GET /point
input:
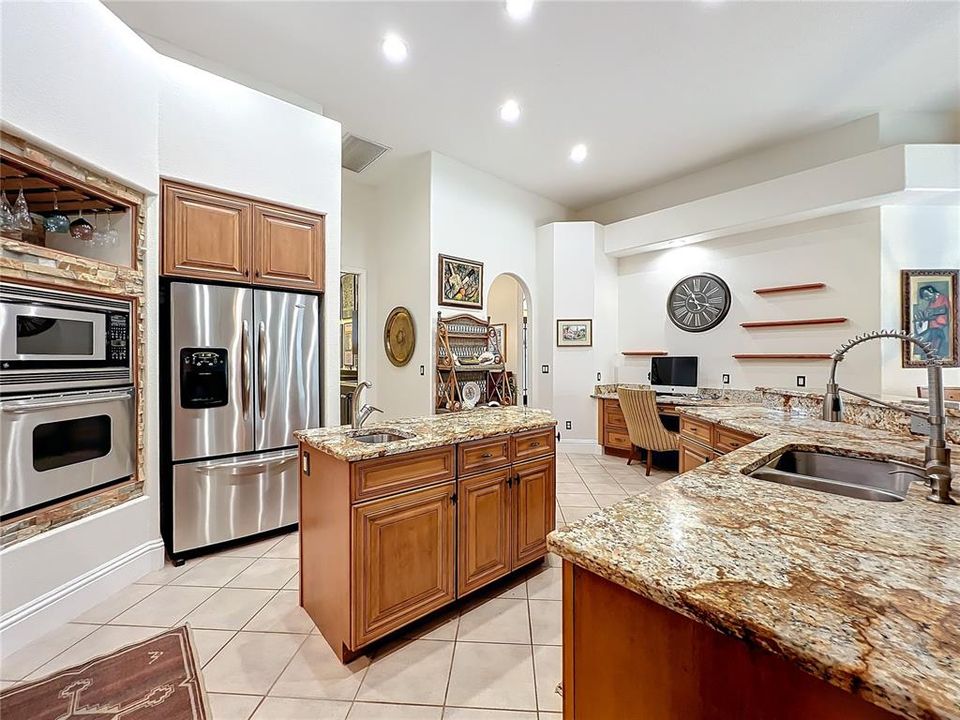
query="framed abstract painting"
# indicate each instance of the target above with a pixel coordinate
(461, 282)
(930, 304)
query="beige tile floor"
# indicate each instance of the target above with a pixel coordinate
(497, 657)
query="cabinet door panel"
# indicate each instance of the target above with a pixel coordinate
(289, 248)
(534, 488)
(205, 235)
(693, 455)
(483, 517)
(403, 560)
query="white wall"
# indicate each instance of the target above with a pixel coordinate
(78, 81)
(843, 251)
(820, 148)
(401, 253)
(480, 217)
(913, 237)
(218, 133)
(583, 282)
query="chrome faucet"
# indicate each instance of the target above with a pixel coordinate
(360, 414)
(936, 467)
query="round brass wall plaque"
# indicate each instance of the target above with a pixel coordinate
(399, 336)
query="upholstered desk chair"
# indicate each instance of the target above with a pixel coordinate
(644, 425)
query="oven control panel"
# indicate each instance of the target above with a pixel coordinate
(118, 338)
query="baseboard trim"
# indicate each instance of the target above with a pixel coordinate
(32, 620)
(589, 447)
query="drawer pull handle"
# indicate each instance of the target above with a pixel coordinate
(536, 443)
(486, 456)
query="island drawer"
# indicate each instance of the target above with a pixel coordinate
(531, 444)
(729, 440)
(395, 473)
(697, 429)
(485, 454)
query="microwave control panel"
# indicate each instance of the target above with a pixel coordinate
(118, 338)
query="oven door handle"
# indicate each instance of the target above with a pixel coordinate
(25, 406)
(248, 464)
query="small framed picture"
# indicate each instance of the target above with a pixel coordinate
(498, 340)
(930, 305)
(574, 333)
(461, 282)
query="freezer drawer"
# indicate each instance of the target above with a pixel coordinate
(219, 500)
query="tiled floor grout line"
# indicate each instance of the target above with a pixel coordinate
(533, 659)
(284, 669)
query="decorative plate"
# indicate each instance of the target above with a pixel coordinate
(471, 394)
(399, 336)
(699, 302)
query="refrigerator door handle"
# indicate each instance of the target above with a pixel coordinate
(245, 368)
(262, 368)
(258, 464)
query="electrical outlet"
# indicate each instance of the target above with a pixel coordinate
(422, 370)
(801, 380)
(568, 425)
(726, 378)
(545, 369)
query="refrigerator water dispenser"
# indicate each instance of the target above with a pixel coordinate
(203, 377)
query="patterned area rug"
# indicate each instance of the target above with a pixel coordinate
(156, 679)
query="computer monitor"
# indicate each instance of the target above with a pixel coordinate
(675, 375)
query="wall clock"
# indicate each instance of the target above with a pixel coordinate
(699, 302)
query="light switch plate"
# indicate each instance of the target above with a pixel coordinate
(545, 369)
(801, 380)
(422, 369)
(568, 425)
(725, 378)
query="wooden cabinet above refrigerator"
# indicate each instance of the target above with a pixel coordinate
(214, 235)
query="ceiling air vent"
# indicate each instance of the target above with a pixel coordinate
(358, 153)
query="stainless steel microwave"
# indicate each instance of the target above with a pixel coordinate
(56, 340)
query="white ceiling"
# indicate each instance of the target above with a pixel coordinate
(655, 89)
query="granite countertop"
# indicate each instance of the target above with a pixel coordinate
(429, 431)
(677, 400)
(865, 595)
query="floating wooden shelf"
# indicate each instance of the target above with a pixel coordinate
(794, 323)
(783, 356)
(643, 353)
(790, 288)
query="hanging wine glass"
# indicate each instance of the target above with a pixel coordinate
(112, 235)
(99, 236)
(81, 229)
(58, 222)
(22, 213)
(7, 219)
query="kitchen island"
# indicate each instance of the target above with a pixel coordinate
(403, 519)
(717, 595)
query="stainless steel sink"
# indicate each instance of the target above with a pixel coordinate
(379, 435)
(852, 477)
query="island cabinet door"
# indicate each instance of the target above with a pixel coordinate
(403, 559)
(534, 508)
(693, 455)
(483, 509)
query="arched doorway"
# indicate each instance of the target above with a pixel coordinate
(509, 306)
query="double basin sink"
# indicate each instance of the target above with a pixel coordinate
(876, 480)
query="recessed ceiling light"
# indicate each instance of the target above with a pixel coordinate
(519, 10)
(394, 48)
(578, 153)
(510, 111)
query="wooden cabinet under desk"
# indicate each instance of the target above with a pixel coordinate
(388, 540)
(215, 235)
(702, 441)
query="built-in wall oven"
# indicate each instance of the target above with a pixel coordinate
(67, 400)
(55, 340)
(60, 445)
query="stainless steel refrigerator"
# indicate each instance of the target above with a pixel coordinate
(245, 373)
